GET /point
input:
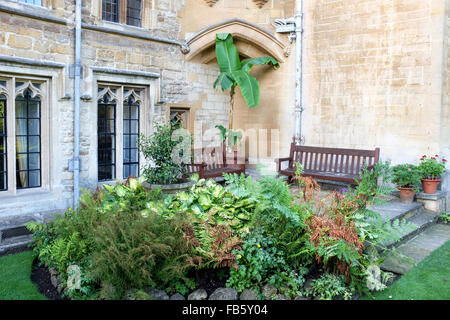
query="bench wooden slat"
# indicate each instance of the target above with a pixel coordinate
(346, 163)
(358, 165)
(336, 158)
(319, 166)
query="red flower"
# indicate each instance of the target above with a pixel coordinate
(443, 160)
(436, 156)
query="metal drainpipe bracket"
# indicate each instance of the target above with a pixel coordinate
(74, 164)
(75, 70)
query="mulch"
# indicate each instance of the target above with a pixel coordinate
(41, 277)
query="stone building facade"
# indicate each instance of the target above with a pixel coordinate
(375, 75)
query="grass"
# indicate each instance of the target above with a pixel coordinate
(15, 282)
(428, 280)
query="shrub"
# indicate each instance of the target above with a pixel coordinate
(334, 236)
(159, 148)
(220, 220)
(343, 234)
(260, 262)
(431, 168)
(274, 251)
(216, 244)
(135, 252)
(70, 239)
(369, 189)
(330, 286)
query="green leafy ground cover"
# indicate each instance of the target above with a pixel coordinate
(15, 282)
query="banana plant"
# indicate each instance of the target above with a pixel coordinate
(233, 136)
(236, 73)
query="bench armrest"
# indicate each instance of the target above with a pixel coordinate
(280, 160)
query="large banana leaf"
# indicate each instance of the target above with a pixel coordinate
(249, 87)
(227, 53)
(248, 64)
(225, 80)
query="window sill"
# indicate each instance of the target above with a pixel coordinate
(31, 11)
(120, 26)
(23, 193)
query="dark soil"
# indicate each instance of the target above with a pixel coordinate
(210, 279)
(41, 277)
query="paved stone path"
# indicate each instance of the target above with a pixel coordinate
(417, 248)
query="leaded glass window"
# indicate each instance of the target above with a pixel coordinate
(110, 10)
(134, 9)
(28, 140)
(23, 110)
(130, 137)
(106, 126)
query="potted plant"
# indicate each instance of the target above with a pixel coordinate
(163, 172)
(431, 170)
(407, 178)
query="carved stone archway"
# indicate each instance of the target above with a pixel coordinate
(250, 39)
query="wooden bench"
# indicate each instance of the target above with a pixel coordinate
(335, 164)
(212, 162)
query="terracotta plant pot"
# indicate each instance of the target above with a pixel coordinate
(430, 185)
(406, 194)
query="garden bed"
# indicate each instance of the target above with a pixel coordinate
(40, 276)
(251, 238)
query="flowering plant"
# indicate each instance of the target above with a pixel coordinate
(431, 167)
(406, 175)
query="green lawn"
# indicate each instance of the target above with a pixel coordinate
(15, 282)
(429, 280)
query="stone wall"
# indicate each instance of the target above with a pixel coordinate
(445, 126)
(373, 76)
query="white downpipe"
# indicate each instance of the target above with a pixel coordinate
(298, 72)
(77, 69)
